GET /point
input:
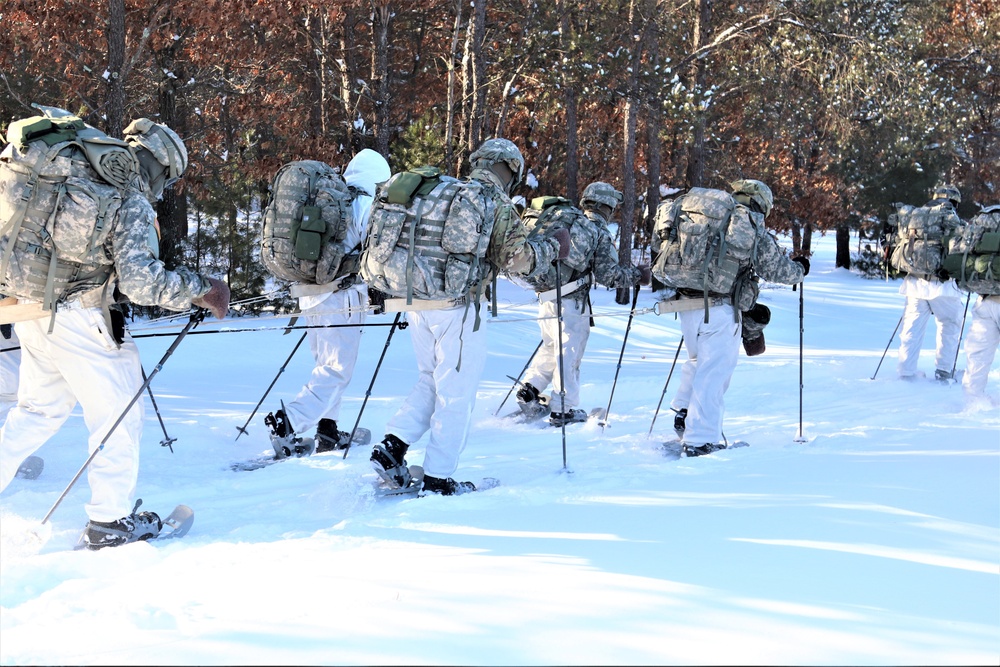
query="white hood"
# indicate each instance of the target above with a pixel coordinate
(366, 170)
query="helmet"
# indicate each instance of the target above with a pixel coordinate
(162, 142)
(499, 150)
(757, 191)
(602, 193)
(947, 191)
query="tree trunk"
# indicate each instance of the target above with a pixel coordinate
(843, 246)
(380, 76)
(477, 70)
(348, 75)
(116, 62)
(172, 209)
(696, 159)
(570, 100)
(449, 128)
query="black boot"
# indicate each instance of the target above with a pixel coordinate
(679, 420)
(388, 460)
(329, 437)
(135, 527)
(447, 486)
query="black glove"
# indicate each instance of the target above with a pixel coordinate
(376, 300)
(7, 330)
(942, 274)
(754, 346)
(645, 275)
(804, 261)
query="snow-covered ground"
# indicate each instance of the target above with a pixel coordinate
(877, 541)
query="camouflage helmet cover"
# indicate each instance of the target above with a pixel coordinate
(947, 191)
(602, 193)
(162, 142)
(757, 191)
(499, 150)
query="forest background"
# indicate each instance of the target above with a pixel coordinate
(841, 106)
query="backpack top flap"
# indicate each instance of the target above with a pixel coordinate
(548, 214)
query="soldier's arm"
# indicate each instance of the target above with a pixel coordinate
(142, 277)
(774, 265)
(607, 271)
(511, 250)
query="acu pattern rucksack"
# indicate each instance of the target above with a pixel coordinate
(427, 237)
(61, 187)
(305, 225)
(973, 258)
(708, 242)
(544, 216)
(920, 238)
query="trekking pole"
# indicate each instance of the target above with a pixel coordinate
(243, 429)
(518, 378)
(665, 384)
(196, 317)
(890, 343)
(167, 440)
(562, 376)
(628, 327)
(961, 333)
(801, 437)
(395, 325)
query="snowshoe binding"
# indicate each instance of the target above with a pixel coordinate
(283, 438)
(571, 416)
(690, 451)
(679, 420)
(446, 486)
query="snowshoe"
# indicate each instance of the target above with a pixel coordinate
(30, 468)
(329, 438)
(691, 451)
(133, 528)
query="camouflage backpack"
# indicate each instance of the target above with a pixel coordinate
(306, 223)
(427, 237)
(61, 187)
(973, 258)
(920, 238)
(708, 242)
(545, 215)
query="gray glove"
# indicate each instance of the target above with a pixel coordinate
(215, 299)
(562, 237)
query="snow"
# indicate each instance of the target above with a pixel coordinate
(874, 542)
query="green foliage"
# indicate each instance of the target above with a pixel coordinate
(420, 143)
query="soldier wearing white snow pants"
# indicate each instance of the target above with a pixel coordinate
(926, 297)
(335, 349)
(90, 358)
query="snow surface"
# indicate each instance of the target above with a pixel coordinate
(875, 542)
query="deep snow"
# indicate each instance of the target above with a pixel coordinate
(875, 542)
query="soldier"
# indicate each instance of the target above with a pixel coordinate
(592, 256)
(974, 263)
(712, 334)
(450, 349)
(334, 349)
(81, 360)
(930, 292)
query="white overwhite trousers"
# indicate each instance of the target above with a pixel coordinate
(335, 351)
(713, 350)
(544, 368)
(78, 362)
(445, 394)
(981, 344)
(947, 310)
(10, 361)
